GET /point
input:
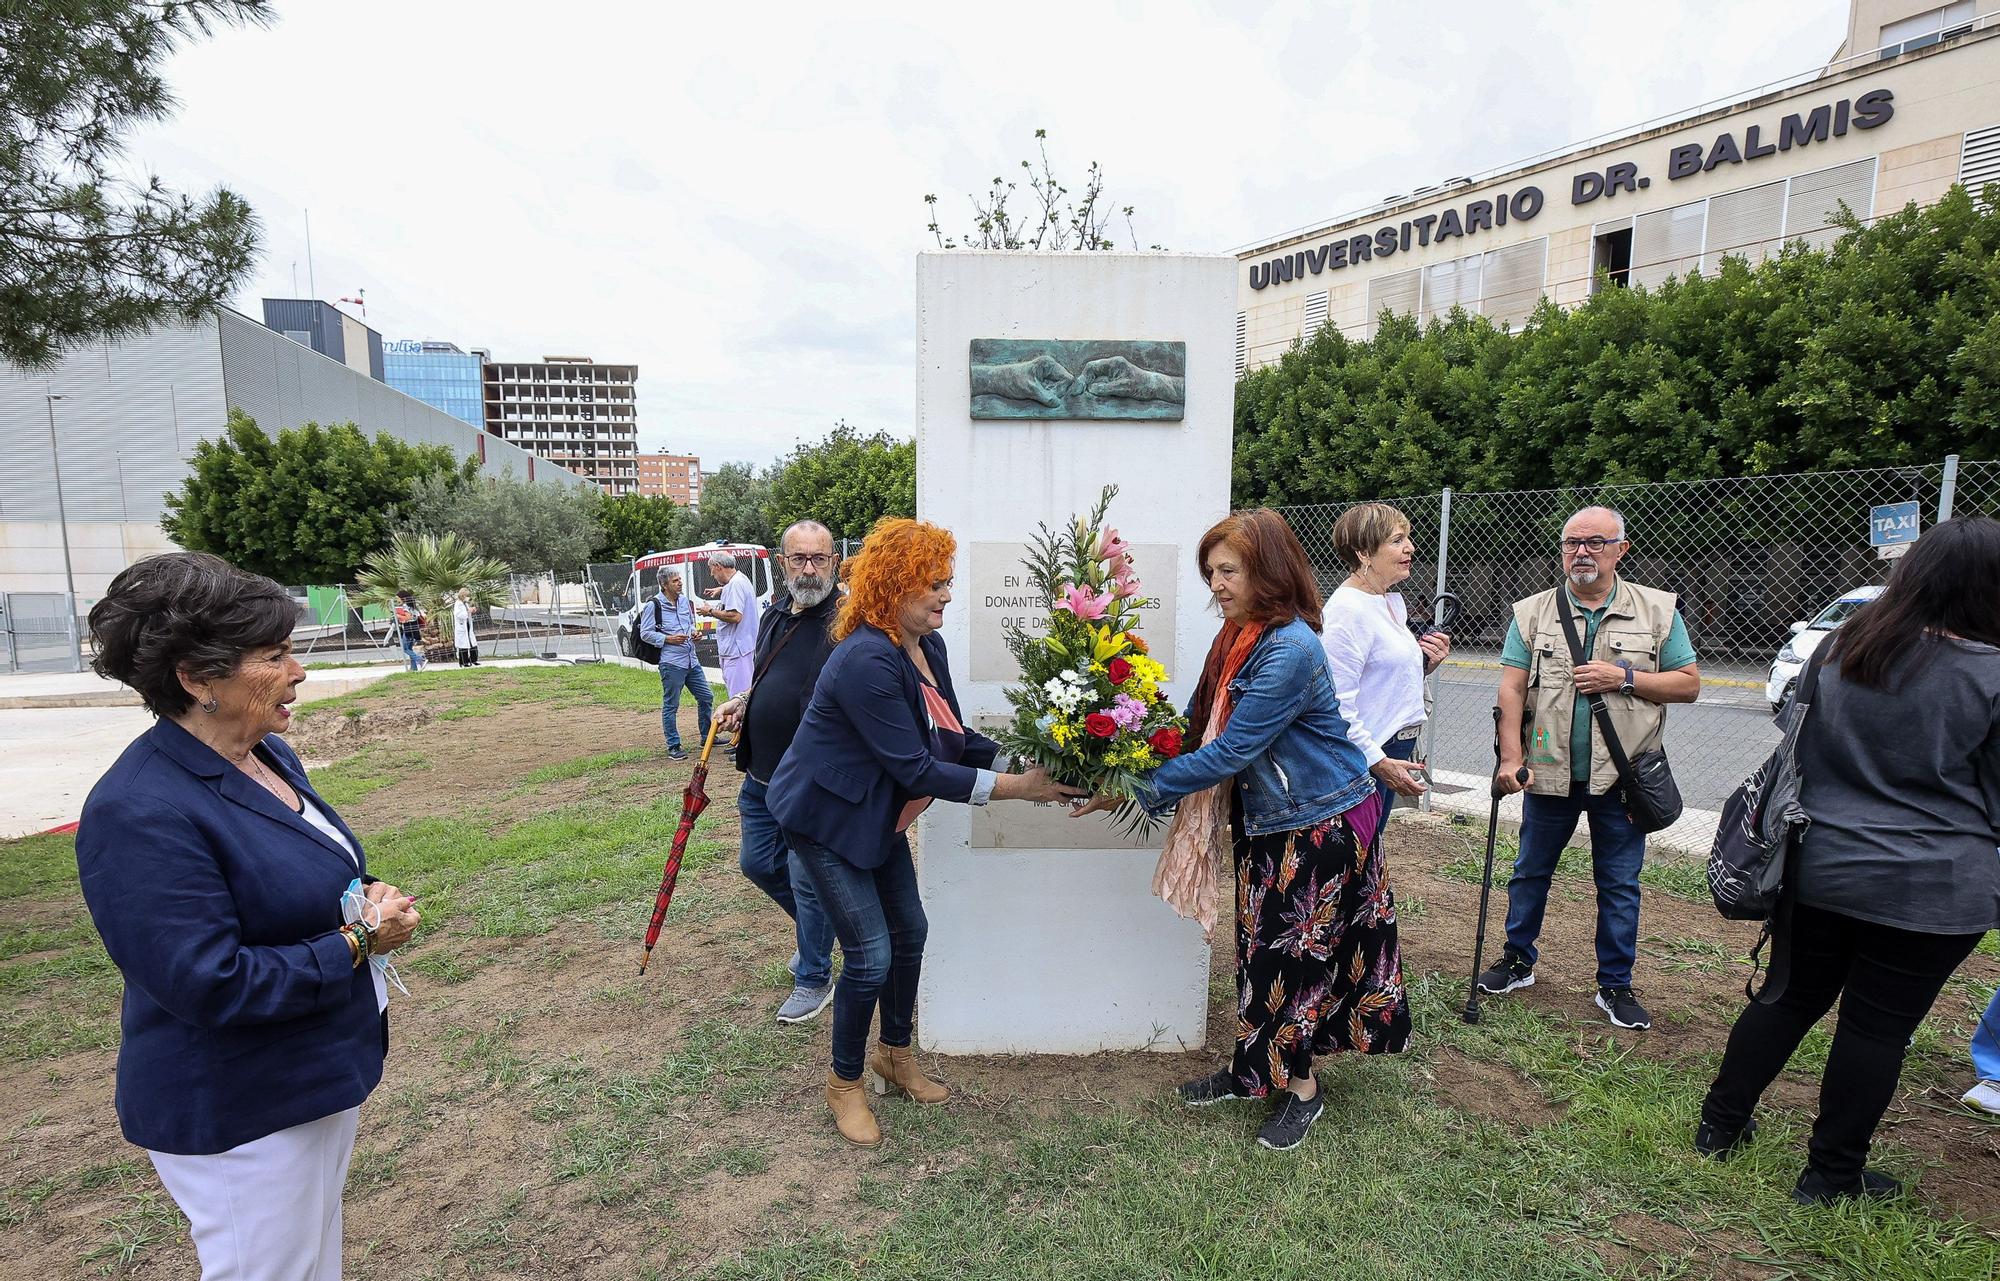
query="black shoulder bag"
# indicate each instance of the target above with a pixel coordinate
(642, 649)
(1645, 782)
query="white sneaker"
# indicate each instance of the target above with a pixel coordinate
(1985, 1096)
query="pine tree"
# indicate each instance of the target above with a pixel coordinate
(84, 253)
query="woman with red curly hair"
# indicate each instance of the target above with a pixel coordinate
(882, 738)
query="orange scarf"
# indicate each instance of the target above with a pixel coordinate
(1189, 865)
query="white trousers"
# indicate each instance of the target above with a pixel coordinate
(737, 673)
(268, 1210)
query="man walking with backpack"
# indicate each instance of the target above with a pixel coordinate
(1637, 657)
(667, 623)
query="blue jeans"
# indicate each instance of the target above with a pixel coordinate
(412, 652)
(879, 919)
(1617, 850)
(775, 870)
(672, 681)
(1397, 750)
(1986, 1043)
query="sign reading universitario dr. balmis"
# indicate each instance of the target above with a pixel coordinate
(1800, 129)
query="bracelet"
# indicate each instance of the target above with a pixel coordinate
(353, 945)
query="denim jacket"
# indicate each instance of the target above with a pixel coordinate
(1286, 745)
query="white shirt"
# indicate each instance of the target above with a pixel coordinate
(738, 640)
(1378, 667)
(312, 813)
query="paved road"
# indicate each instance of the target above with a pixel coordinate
(1714, 744)
(54, 757)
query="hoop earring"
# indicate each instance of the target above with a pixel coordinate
(209, 705)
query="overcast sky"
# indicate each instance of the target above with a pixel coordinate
(731, 196)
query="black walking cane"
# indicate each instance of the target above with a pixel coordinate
(1471, 1014)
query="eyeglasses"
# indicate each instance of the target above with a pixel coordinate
(809, 560)
(1591, 544)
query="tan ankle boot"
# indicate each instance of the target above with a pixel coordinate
(850, 1112)
(893, 1066)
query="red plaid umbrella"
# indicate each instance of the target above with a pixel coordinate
(694, 799)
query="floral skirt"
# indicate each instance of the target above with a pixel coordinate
(1318, 969)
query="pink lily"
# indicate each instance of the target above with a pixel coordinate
(1081, 602)
(1110, 547)
(1125, 586)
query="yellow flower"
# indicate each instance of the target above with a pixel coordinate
(1109, 643)
(1146, 677)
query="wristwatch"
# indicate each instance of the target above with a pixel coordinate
(1626, 688)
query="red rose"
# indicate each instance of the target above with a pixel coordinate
(1100, 725)
(1166, 742)
(1118, 670)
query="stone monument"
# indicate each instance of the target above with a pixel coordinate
(1045, 936)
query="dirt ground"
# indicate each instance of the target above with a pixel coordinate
(454, 1157)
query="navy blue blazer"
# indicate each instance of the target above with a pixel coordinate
(866, 748)
(244, 1013)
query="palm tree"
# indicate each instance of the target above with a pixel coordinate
(433, 567)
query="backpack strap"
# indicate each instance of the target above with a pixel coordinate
(1777, 933)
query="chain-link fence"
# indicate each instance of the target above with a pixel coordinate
(552, 615)
(1750, 558)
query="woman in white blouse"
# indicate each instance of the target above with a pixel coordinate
(1378, 665)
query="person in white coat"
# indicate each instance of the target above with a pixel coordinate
(1378, 665)
(462, 634)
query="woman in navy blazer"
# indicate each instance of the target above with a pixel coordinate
(253, 1024)
(882, 738)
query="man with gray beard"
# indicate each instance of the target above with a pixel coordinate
(792, 646)
(1638, 656)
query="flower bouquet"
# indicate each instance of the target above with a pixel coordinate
(1089, 708)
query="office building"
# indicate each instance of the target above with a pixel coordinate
(128, 414)
(1908, 105)
(439, 374)
(675, 476)
(572, 411)
(327, 330)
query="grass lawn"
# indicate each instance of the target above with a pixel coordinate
(548, 1113)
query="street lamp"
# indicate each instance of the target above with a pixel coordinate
(62, 518)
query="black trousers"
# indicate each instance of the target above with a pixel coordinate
(1886, 980)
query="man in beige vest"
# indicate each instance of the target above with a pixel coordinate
(1639, 658)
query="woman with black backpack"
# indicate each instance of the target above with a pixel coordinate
(1896, 877)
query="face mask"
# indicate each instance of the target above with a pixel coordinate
(356, 908)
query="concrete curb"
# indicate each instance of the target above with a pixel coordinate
(112, 698)
(1693, 834)
(310, 692)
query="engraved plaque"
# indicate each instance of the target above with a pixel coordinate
(1057, 378)
(1001, 593)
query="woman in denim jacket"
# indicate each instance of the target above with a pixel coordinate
(1277, 780)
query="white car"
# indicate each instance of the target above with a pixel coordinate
(1806, 637)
